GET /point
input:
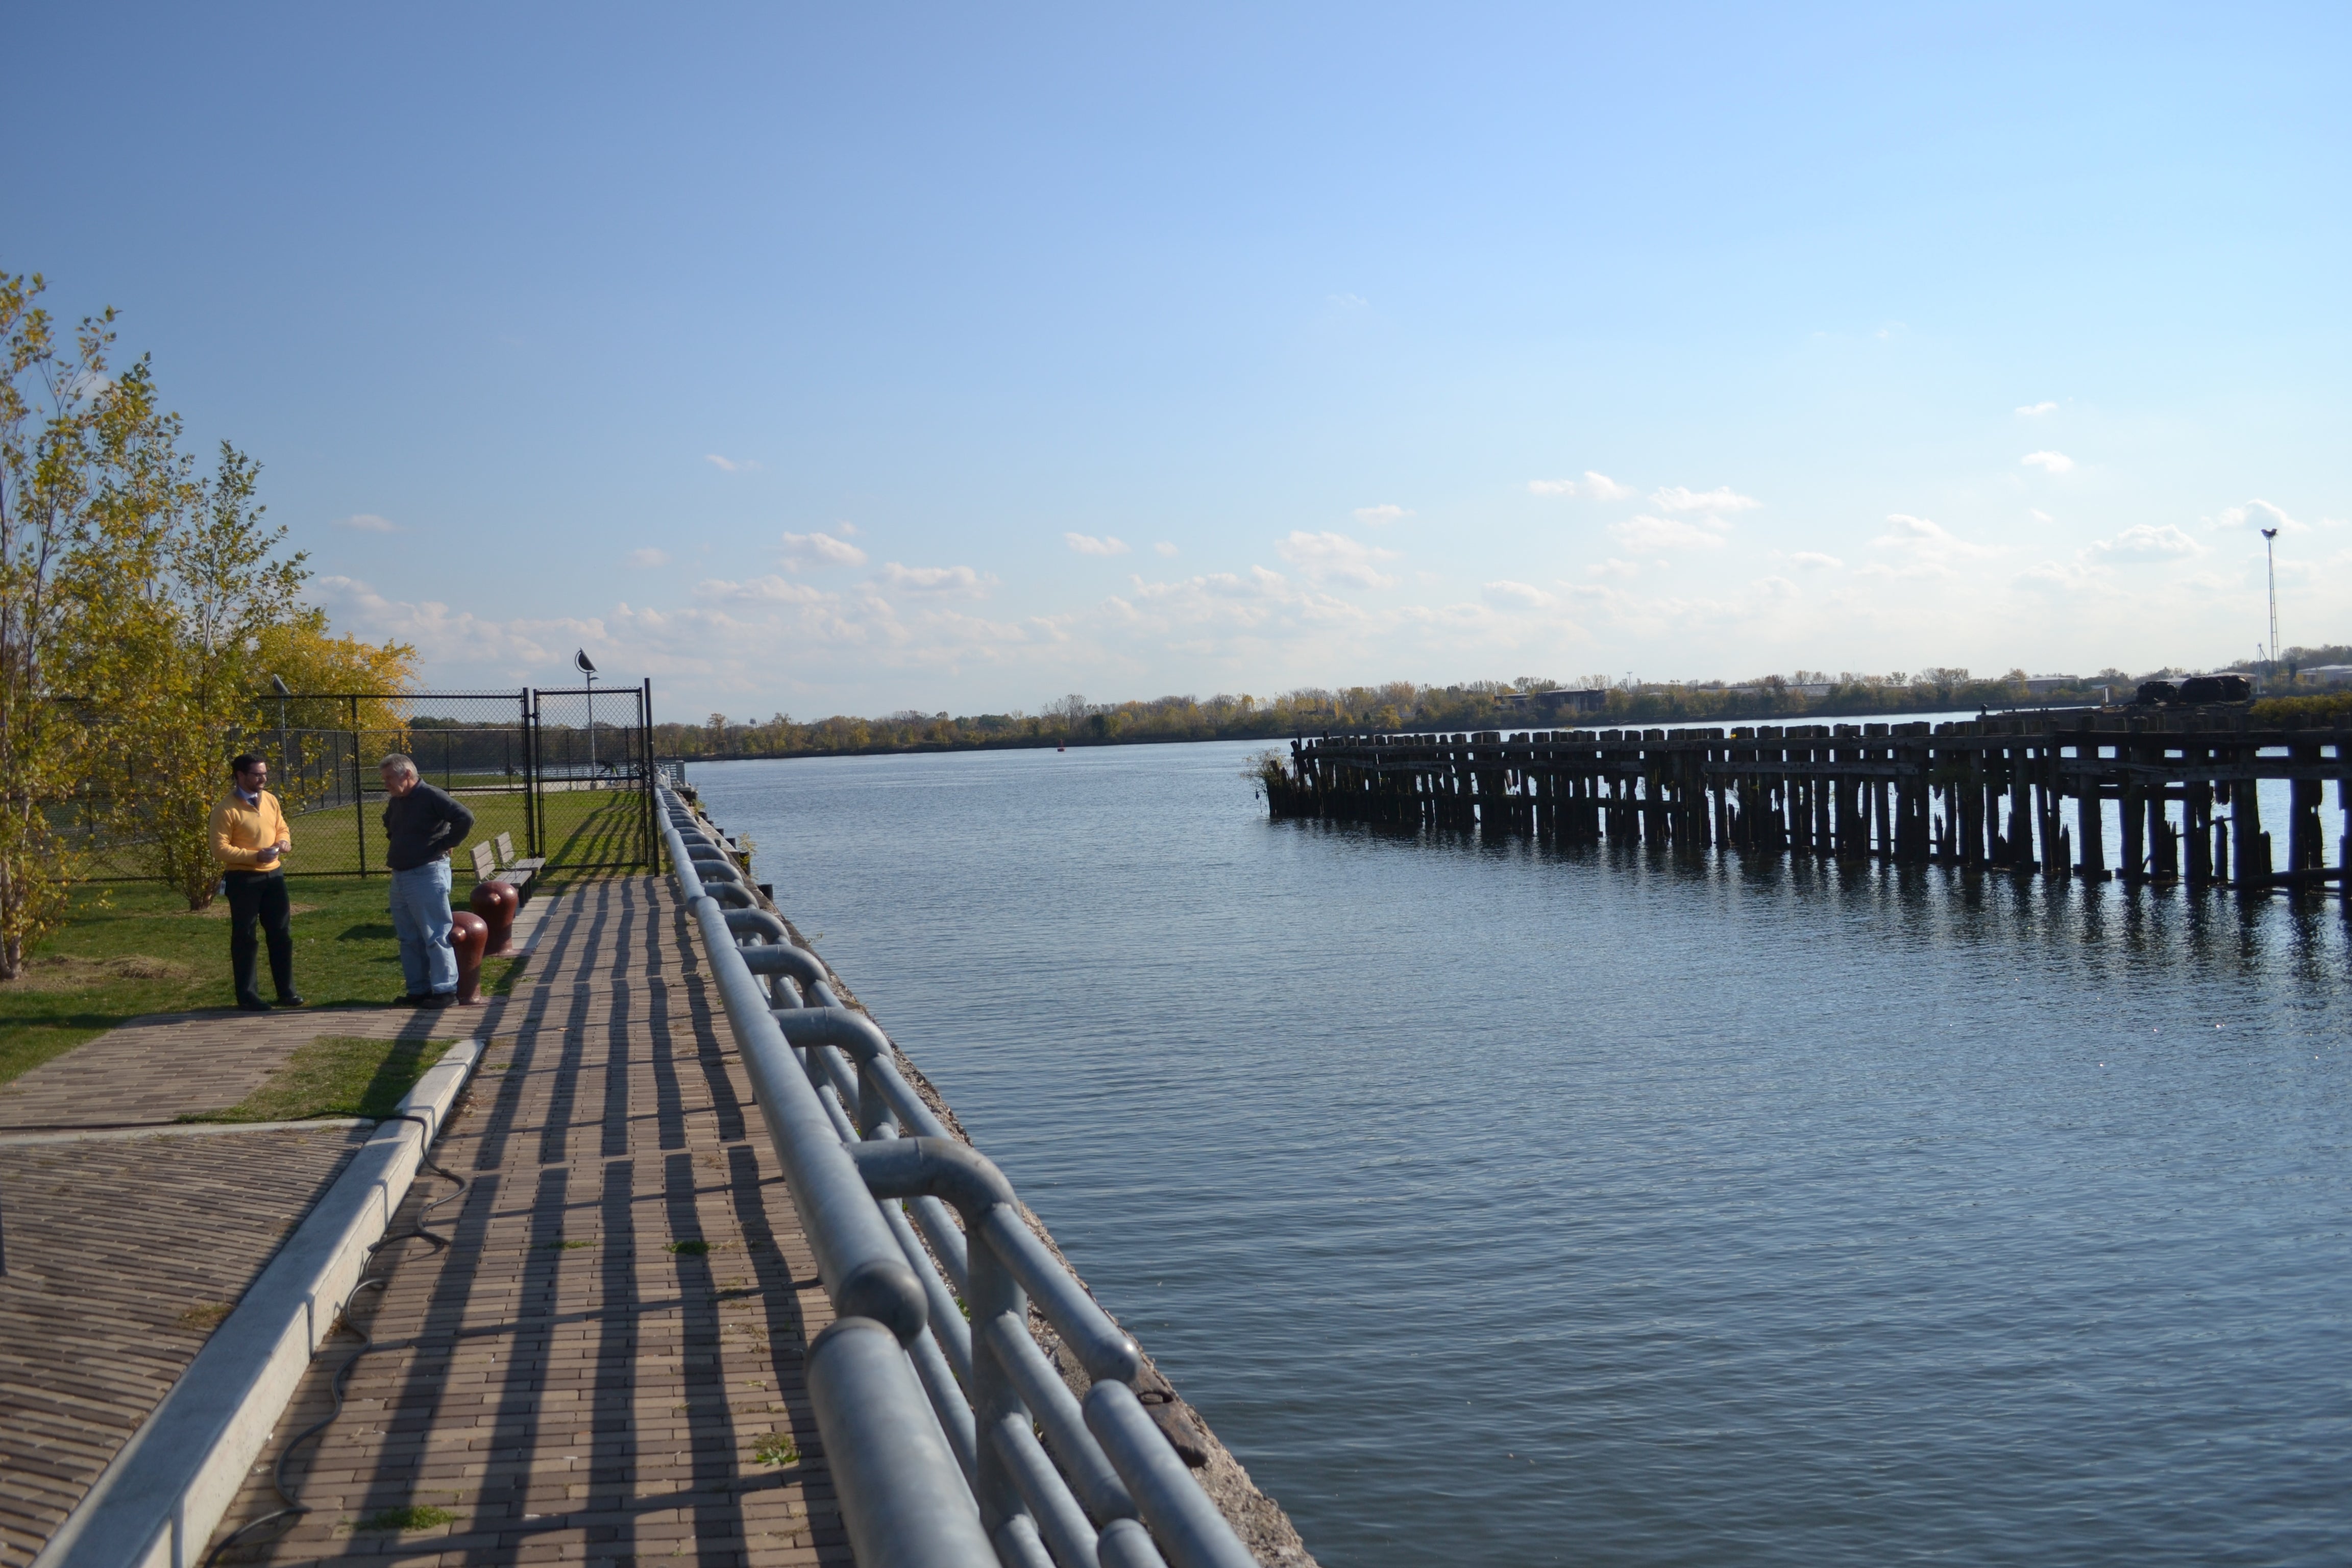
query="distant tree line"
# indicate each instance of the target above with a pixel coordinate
(1402, 706)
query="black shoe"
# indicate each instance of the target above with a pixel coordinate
(439, 999)
(413, 999)
(290, 1000)
(252, 1005)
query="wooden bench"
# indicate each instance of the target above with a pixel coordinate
(516, 874)
(528, 866)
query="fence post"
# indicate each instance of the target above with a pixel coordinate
(646, 775)
(529, 773)
(538, 779)
(358, 789)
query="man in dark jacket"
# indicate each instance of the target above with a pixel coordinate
(421, 825)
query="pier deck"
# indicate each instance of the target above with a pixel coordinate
(603, 1365)
(2028, 793)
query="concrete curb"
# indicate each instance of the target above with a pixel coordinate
(157, 1504)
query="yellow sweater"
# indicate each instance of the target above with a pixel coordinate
(241, 832)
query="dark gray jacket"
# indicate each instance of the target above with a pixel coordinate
(422, 826)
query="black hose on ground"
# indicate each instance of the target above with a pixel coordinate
(295, 1507)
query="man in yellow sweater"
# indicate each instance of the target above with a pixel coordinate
(250, 841)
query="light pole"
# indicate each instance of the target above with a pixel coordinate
(2270, 559)
(580, 659)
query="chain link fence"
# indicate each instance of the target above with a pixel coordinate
(566, 775)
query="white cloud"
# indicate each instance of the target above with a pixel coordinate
(445, 637)
(647, 559)
(953, 580)
(1373, 516)
(2051, 462)
(1087, 545)
(1163, 548)
(2038, 515)
(2259, 514)
(2036, 410)
(1927, 539)
(1643, 534)
(1247, 607)
(1766, 600)
(1326, 556)
(1813, 560)
(1613, 567)
(1718, 500)
(1599, 487)
(824, 549)
(730, 464)
(762, 590)
(1522, 596)
(2150, 542)
(1909, 530)
(368, 522)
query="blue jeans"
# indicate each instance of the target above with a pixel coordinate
(420, 914)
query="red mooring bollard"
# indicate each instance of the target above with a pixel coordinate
(469, 934)
(496, 902)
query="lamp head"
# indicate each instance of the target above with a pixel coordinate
(2270, 533)
(278, 684)
(581, 662)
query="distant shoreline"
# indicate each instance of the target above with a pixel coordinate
(1515, 726)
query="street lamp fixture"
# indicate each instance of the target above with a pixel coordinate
(587, 667)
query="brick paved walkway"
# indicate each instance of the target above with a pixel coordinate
(600, 1366)
(157, 1068)
(122, 1256)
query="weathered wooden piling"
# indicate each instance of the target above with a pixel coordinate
(1990, 792)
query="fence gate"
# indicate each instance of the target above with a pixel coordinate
(593, 776)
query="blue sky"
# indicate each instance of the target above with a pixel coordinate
(820, 360)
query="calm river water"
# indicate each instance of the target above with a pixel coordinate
(1502, 1207)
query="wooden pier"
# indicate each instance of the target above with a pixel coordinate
(2026, 793)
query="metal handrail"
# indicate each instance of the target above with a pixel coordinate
(942, 1438)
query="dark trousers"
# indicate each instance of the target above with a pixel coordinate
(256, 896)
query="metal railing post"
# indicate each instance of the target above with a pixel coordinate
(994, 1293)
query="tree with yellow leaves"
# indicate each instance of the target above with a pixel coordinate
(88, 476)
(180, 676)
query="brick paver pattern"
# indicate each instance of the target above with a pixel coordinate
(121, 1257)
(605, 1366)
(160, 1068)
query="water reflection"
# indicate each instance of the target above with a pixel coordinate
(1511, 1204)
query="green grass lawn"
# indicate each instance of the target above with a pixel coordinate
(336, 1075)
(133, 948)
(585, 828)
